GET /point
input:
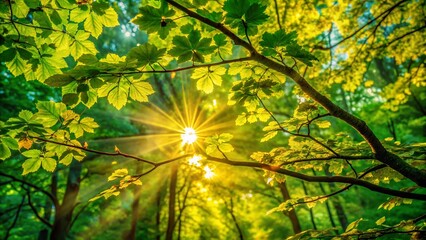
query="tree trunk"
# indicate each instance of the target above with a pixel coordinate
(131, 235)
(158, 215)
(311, 211)
(292, 213)
(327, 205)
(172, 202)
(44, 233)
(341, 215)
(234, 219)
(63, 214)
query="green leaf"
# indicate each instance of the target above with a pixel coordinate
(244, 15)
(20, 9)
(49, 66)
(212, 15)
(4, 151)
(98, 18)
(88, 59)
(82, 88)
(181, 48)
(96, 83)
(17, 66)
(81, 45)
(296, 51)
(10, 143)
(50, 112)
(80, 13)
(207, 77)
(70, 99)
(66, 3)
(55, 17)
(93, 24)
(116, 92)
(235, 9)
(110, 18)
(8, 55)
(31, 165)
(62, 42)
(67, 159)
(34, 153)
(255, 15)
(220, 40)
(118, 96)
(140, 90)
(145, 54)
(26, 115)
(59, 80)
(156, 20)
(191, 48)
(49, 164)
(87, 124)
(41, 19)
(278, 39)
(219, 141)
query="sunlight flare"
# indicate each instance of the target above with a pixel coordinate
(209, 174)
(189, 136)
(195, 160)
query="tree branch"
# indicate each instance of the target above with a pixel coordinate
(35, 210)
(389, 10)
(48, 194)
(182, 68)
(378, 149)
(375, 168)
(308, 178)
(96, 151)
(344, 157)
(15, 219)
(400, 37)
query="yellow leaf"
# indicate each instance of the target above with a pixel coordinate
(25, 143)
(323, 124)
(311, 204)
(116, 149)
(137, 182)
(118, 174)
(369, 83)
(381, 221)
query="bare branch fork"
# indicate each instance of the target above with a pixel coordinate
(381, 154)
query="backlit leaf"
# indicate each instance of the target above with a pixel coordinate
(4, 151)
(31, 165)
(156, 20)
(49, 164)
(119, 173)
(140, 91)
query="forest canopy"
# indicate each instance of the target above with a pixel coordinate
(225, 119)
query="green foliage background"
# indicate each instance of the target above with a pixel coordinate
(109, 75)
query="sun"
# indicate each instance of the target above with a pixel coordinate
(189, 136)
